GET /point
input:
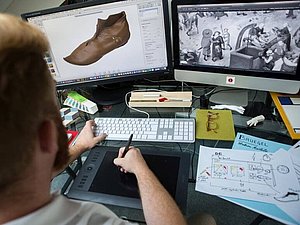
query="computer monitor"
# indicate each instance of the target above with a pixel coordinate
(249, 45)
(106, 42)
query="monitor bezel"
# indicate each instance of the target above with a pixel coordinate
(218, 70)
(136, 77)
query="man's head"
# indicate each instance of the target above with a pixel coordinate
(27, 98)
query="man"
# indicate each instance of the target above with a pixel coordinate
(33, 144)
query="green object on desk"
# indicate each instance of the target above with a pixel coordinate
(214, 125)
(77, 97)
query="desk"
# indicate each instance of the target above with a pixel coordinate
(223, 210)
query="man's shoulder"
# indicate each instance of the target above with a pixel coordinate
(64, 211)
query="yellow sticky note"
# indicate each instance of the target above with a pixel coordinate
(214, 125)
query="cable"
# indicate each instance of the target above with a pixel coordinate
(216, 144)
(224, 90)
(141, 90)
(191, 107)
(179, 146)
(137, 110)
(123, 112)
(158, 112)
(159, 81)
(192, 162)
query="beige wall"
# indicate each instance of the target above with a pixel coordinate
(17, 7)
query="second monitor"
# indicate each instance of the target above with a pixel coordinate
(251, 45)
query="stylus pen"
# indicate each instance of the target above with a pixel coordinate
(127, 146)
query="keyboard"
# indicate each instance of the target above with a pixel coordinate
(147, 129)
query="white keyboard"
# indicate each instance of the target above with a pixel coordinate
(143, 129)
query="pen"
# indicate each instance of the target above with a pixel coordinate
(127, 146)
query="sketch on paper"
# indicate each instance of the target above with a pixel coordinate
(289, 202)
(260, 176)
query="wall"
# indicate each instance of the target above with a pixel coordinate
(17, 7)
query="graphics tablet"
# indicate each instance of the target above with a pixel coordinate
(99, 180)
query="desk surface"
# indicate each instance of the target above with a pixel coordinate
(224, 211)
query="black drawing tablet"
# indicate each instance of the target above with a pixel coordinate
(99, 180)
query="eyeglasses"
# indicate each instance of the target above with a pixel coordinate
(211, 124)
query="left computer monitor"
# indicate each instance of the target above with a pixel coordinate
(105, 42)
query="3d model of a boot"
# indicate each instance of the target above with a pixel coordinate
(110, 34)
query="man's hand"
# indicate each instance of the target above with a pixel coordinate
(86, 139)
(132, 162)
(158, 206)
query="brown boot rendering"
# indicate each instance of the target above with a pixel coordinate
(110, 34)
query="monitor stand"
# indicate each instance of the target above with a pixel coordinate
(110, 94)
(230, 96)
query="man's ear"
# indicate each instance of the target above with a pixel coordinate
(47, 134)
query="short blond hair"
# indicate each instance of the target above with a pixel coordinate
(26, 94)
(16, 33)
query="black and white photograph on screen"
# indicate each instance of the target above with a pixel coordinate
(265, 40)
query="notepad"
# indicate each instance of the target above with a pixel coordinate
(214, 125)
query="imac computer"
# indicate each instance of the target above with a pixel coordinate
(106, 43)
(247, 45)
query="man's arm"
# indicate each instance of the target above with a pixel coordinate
(158, 206)
(85, 141)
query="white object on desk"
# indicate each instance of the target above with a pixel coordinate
(293, 114)
(238, 109)
(255, 120)
(295, 101)
(258, 176)
(79, 102)
(160, 99)
(69, 115)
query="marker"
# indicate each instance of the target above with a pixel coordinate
(127, 146)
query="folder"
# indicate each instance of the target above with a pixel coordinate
(288, 107)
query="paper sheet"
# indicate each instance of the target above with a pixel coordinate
(258, 176)
(295, 155)
(293, 208)
(249, 142)
(252, 143)
(293, 112)
(295, 101)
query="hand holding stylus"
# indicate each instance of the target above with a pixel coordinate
(133, 162)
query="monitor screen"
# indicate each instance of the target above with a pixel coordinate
(251, 45)
(101, 42)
